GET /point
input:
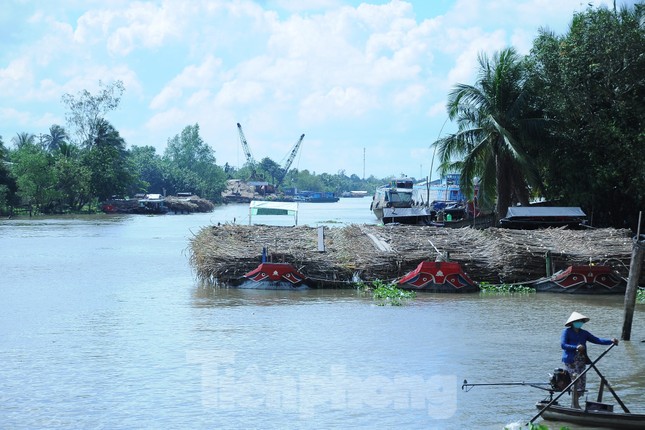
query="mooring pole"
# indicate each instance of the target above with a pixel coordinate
(638, 252)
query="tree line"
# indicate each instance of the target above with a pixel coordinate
(61, 172)
(563, 123)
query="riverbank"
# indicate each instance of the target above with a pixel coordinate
(222, 253)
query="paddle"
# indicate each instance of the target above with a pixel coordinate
(592, 365)
(467, 387)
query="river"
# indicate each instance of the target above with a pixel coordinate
(103, 326)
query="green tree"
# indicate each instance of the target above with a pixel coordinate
(56, 137)
(85, 111)
(8, 186)
(591, 85)
(106, 158)
(495, 122)
(35, 177)
(270, 169)
(191, 165)
(72, 177)
(23, 139)
(149, 168)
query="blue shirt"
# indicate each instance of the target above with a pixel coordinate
(570, 340)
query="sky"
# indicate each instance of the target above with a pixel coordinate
(365, 81)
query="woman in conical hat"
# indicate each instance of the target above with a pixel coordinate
(574, 351)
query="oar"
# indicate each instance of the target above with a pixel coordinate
(571, 384)
(467, 387)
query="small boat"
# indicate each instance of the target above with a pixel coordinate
(583, 280)
(595, 414)
(438, 277)
(273, 276)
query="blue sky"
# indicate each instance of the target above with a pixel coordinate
(365, 81)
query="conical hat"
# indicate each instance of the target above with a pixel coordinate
(575, 316)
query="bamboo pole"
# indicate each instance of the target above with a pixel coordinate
(568, 387)
(638, 252)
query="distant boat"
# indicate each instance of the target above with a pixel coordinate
(582, 280)
(316, 197)
(438, 277)
(354, 194)
(394, 203)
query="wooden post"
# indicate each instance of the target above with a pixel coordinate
(321, 238)
(638, 252)
(549, 264)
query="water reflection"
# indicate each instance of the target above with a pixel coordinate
(212, 296)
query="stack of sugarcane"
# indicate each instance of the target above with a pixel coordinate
(188, 205)
(369, 252)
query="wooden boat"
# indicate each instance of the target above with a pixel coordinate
(438, 277)
(273, 276)
(595, 414)
(583, 280)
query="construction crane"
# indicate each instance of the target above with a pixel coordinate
(287, 165)
(245, 146)
(250, 161)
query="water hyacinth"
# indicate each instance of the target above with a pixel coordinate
(505, 288)
(386, 293)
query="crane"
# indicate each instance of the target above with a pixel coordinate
(287, 164)
(245, 146)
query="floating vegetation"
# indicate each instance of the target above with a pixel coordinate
(505, 288)
(389, 294)
(640, 295)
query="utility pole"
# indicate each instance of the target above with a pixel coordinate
(363, 163)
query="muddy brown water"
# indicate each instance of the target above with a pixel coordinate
(103, 325)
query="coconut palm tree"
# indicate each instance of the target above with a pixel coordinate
(494, 125)
(57, 136)
(23, 138)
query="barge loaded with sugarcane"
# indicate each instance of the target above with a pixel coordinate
(339, 257)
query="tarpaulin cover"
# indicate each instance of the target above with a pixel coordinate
(544, 211)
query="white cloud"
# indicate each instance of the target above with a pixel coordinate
(338, 102)
(344, 72)
(193, 77)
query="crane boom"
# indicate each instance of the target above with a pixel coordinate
(293, 153)
(292, 156)
(245, 146)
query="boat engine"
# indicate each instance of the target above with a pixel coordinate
(560, 379)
